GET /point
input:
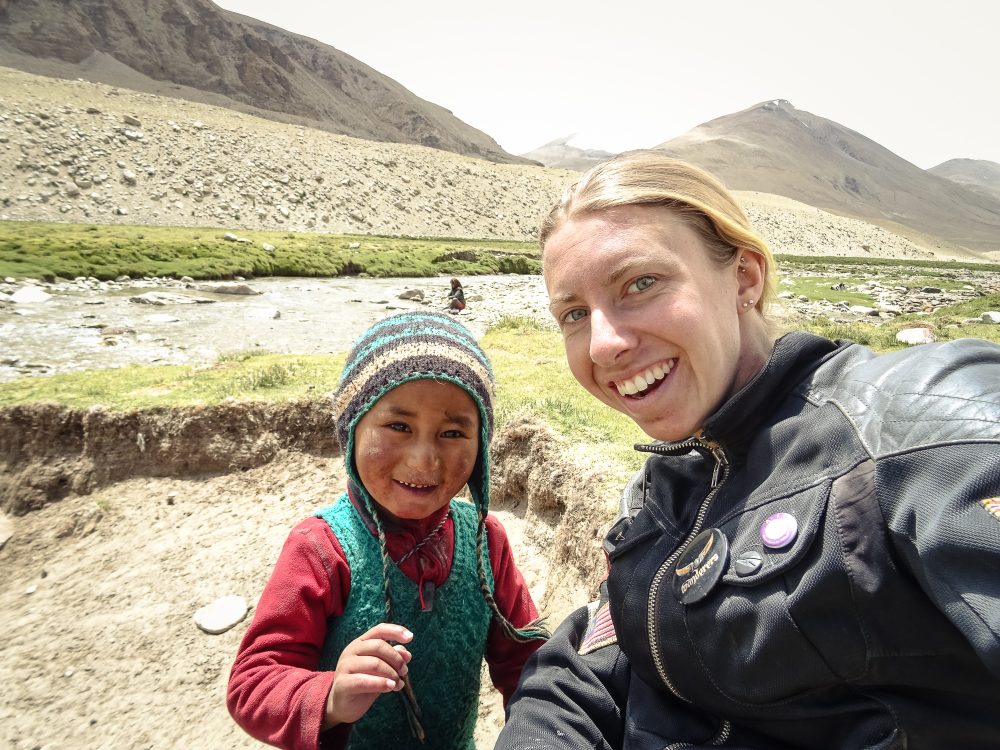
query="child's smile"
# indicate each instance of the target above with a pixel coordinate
(416, 447)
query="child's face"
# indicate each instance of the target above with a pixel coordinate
(416, 447)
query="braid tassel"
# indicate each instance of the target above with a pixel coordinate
(408, 697)
(532, 631)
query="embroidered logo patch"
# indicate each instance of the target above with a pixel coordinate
(992, 505)
(600, 631)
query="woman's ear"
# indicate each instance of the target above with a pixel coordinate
(751, 270)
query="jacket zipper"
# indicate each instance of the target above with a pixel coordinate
(720, 472)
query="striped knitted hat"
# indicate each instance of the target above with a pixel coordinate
(416, 346)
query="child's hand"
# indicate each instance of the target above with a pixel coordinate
(368, 667)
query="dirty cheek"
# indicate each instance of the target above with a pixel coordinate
(369, 451)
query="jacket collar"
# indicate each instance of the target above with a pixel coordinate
(793, 358)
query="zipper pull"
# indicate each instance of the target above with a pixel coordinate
(720, 463)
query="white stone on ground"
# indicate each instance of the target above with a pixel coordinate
(222, 614)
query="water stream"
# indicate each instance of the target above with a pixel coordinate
(82, 327)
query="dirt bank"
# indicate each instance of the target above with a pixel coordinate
(120, 539)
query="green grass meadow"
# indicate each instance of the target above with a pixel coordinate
(532, 377)
(49, 250)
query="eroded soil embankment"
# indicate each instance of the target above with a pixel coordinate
(50, 452)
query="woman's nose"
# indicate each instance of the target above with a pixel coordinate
(609, 338)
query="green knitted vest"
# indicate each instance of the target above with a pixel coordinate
(448, 642)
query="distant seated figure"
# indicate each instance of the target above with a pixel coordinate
(456, 297)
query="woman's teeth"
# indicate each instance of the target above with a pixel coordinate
(415, 486)
(643, 380)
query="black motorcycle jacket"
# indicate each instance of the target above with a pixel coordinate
(820, 568)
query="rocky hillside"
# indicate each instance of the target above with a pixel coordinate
(76, 151)
(193, 49)
(775, 148)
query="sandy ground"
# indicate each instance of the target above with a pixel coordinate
(99, 648)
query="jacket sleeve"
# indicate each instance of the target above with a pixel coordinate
(939, 484)
(506, 657)
(946, 525)
(275, 692)
(567, 700)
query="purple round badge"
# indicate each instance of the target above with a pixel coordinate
(779, 530)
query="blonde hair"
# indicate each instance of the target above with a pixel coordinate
(651, 178)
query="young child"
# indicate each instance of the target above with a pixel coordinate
(396, 587)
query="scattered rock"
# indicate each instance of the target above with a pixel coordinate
(116, 330)
(914, 336)
(81, 523)
(244, 289)
(29, 295)
(167, 298)
(222, 614)
(416, 294)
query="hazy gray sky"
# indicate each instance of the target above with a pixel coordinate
(919, 78)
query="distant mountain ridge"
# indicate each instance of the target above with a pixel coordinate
(773, 147)
(560, 154)
(974, 173)
(195, 50)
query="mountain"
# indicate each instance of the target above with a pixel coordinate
(773, 147)
(195, 50)
(975, 173)
(561, 155)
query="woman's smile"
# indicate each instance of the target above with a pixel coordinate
(646, 381)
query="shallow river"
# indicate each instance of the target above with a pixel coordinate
(75, 328)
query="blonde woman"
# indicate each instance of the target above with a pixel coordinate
(810, 557)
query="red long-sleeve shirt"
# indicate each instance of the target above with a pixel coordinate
(275, 691)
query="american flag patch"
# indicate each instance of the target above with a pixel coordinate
(992, 504)
(600, 631)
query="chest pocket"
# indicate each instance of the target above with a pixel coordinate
(778, 622)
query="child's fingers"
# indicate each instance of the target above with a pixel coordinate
(369, 681)
(373, 664)
(375, 653)
(388, 631)
(404, 652)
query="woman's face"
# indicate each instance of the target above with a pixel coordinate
(651, 324)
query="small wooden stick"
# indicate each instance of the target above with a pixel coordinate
(413, 710)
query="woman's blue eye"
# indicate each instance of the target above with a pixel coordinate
(641, 284)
